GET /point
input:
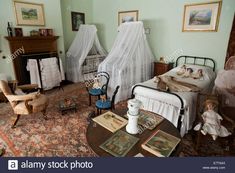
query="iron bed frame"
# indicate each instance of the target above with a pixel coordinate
(185, 61)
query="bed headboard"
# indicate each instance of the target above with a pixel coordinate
(203, 61)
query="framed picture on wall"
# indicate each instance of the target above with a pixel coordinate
(127, 16)
(18, 32)
(29, 13)
(202, 17)
(77, 19)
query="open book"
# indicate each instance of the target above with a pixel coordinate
(148, 119)
(119, 144)
(110, 121)
(161, 144)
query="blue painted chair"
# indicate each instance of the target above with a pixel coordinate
(102, 90)
(107, 104)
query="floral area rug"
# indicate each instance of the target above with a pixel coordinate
(60, 135)
(65, 135)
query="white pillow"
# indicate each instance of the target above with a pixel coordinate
(208, 73)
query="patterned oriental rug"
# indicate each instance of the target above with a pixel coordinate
(65, 135)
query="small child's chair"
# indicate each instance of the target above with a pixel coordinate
(99, 91)
(106, 104)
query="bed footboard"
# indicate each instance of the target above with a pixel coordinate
(181, 113)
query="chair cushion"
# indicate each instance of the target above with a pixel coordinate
(21, 109)
(103, 104)
(40, 103)
(96, 92)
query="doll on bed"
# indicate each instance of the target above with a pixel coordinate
(160, 84)
(212, 121)
(198, 74)
(182, 70)
(188, 73)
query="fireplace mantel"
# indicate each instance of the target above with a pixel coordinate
(35, 44)
(30, 45)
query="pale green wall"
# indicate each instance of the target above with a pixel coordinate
(164, 18)
(53, 18)
(82, 6)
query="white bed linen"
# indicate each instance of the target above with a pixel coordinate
(168, 105)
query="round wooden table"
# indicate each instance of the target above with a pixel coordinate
(96, 135)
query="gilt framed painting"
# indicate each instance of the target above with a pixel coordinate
(202, 17)
(29, 13)
(127, 16)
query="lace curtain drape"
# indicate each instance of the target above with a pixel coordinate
(85, 40)
(129, 61)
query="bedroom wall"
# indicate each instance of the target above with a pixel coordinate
(53, 19)
(82, 6)
(165, 18)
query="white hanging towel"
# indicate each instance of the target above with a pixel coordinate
(50, 73)
(62, 70)
(32, 67)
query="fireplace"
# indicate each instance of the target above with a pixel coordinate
(30, 47)
(39, 56)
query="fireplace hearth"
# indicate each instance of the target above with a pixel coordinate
(34, 47)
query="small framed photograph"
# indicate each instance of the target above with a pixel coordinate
(49, 32)
(127, 16)
(43, 32)
(77, 19)
(202, 17)
(18, 32)
(29, 13)
(34, 33)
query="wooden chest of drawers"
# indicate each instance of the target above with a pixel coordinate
(161, 68)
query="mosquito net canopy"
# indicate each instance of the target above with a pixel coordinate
(85, 41)
(129, 61)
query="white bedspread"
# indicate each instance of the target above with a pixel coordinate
(169, 105)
